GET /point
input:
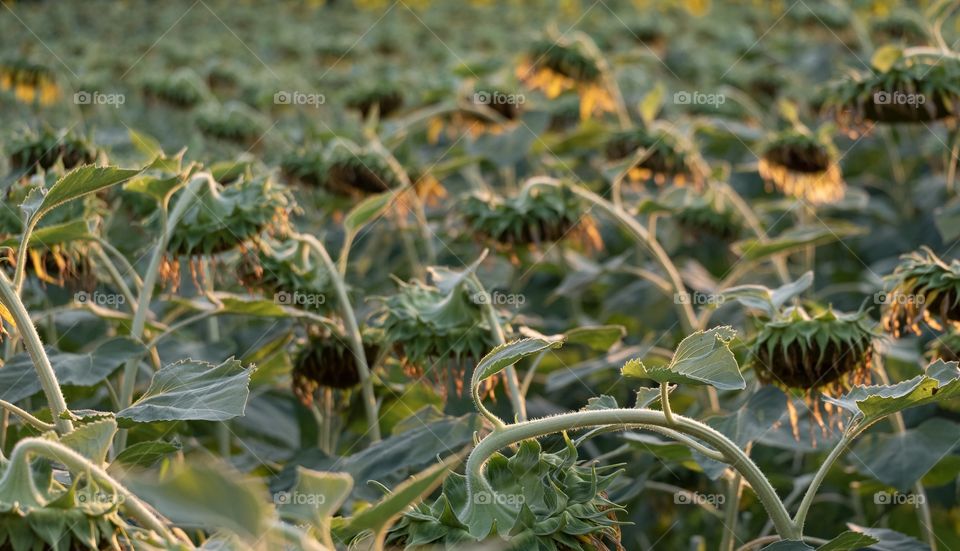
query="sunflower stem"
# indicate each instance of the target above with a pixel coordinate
(169, 223)
(688, 318)
(510, 373)
(622, 418)
(31, 341)
(353, 332)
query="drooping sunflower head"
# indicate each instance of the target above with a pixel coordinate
(327, 361)
(29, 82)
(821, 15)
(701, 213)
(922, 289)
(801, 165)
(543, 492)
(358, 173)
(912, 90)
(35, 152)
(386, 97)
(223, 218)
(437, 329)
(182, 88)
(904, 26)
(233, 122)
(659, 153)
(307, 165)
(556, 67)
(535, 216)
(826, 353)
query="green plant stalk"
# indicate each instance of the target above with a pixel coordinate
(731, 504)
(169, 222)
(623, 417)
(31, 341)
(800, 518)
(511, 381)
(353, 331)
(116, 277)
(26, 416)
(688, 318)
(77, 463)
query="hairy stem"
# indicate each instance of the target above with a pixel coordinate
(31, 341)
(353, 332)
(620, 417)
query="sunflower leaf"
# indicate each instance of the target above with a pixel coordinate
(508, 354)
(702, 358)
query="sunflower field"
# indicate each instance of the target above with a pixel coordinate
(488, 275)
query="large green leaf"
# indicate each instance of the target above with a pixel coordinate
(889, 540)
(207, 496)
(314, 499)
(510, 353)
(192, 390)
(703, 358)
(56, 234)
(146, 454)
(18, 379)
(795, 239)
(848, 541)
(599, 338)
(940, 381)
(901, 459)
(80, 182)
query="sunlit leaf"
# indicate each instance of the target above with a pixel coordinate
(703, 358)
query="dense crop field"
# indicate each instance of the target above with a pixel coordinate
(552, 275)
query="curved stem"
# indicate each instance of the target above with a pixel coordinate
(116, 277)
(127, 267)
(31, 341)
(688, 318)
(665, 402)
(621, 417)
(169, 222)
(353, 332)
(26, 416)
(79, 464)
(731, 504)
(800, 518)
(510, 373)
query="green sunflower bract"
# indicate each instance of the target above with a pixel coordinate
(557, 502)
